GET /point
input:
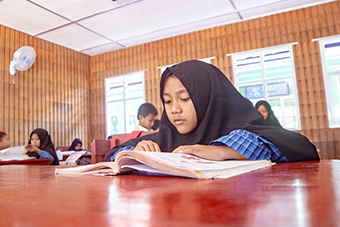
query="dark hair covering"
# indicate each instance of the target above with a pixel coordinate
(45, 143)
(74, 144)
(2, 134)
(271, 119)
(220, 109)
(145, 109)
(155, 125)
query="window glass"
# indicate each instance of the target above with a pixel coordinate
(123, 95)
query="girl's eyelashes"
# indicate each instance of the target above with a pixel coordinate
(185, 99)
(182, 99)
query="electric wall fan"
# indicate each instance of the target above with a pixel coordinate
(23, 59)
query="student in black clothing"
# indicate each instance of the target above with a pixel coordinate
(266, 110)
(40, 146)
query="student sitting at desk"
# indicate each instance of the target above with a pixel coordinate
(40, 146)
(76, 145)
(206, 116)
(4, 141)
(146, 114)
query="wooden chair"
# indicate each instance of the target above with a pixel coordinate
(117, 139)
(98, 150)
(62, 148)
(99, 147)
(121, 138)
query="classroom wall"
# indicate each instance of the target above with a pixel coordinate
(300, 26)
(52, 94)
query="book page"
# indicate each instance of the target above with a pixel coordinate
(196, 163)
(186, 165)
(14, 153)
(101, 167)
(74, 156)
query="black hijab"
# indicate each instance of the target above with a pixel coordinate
(271, 119)
(220, 109)
(74, 144)
(45, 143)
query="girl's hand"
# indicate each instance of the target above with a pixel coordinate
(147, 145)
(32, 148)
(217, 153)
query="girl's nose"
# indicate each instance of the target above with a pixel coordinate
(176, 108)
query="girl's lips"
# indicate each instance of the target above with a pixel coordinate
(178, 121)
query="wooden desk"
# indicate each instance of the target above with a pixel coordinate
(27, 162)
(292, 194)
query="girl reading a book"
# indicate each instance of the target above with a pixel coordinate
(40, 146)
(76, 145)
(206, 116)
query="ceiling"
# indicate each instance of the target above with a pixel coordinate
(94, 27)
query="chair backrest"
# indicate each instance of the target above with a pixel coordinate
(121, 138)
(134, 134)
(99, 148)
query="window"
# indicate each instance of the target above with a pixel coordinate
(123, 96)
(330, 57)
(269, 74)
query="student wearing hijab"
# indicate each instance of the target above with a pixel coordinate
(76, 145)
(206, 116)
(40, 146)
(266, 110)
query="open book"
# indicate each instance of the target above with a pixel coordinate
(14, 153)
(72, 158)
(167, 163)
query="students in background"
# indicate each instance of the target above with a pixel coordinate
(76, 145)
(4, 141)
(206, 116)
(266, 110)
(40, 146)
(146, 115)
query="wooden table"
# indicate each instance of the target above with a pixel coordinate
(27, 162)
(292, 194)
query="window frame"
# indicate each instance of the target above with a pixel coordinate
(206, 60)
(125, 77)
(261, 52)
(332, 121)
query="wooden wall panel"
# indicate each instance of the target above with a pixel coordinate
(295, 26)
(52, 94)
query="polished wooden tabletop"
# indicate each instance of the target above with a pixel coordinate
(27, 162)
(291, 194)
